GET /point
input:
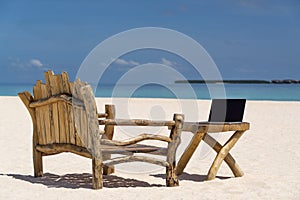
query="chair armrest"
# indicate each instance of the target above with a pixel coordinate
(135, 122)
(137, 139)
(102, 115)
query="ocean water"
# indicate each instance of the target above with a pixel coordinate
(276, 92)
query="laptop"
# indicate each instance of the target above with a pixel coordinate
(227, 110)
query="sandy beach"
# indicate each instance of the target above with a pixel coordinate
(268, 154)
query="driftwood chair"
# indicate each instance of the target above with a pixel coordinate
(65, 119)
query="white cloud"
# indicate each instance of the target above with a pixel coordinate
(36, 63)
(28, 65)
(120, 61)
(167, 62)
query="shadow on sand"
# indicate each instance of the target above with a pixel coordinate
(191, 177)
(84, 180)
(75, 181)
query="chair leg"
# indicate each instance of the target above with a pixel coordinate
(110, 110)
(171, 177)
(37, 163)
(223, 154)
(97, 174)
(107, 170)
(236, 170)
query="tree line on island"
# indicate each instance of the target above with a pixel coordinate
(285, 81)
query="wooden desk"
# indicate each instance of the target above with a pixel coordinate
(201, 130)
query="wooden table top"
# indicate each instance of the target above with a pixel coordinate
(214, 127)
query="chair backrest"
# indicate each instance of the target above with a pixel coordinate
(54, 111)
(227, 110)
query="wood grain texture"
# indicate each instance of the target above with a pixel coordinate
(37, 155)
(215, 127)
(189, 151)
(60, 148)
(135, 122)
(120, 160)
(137, 139)
(97, 166)
(222, 154)
(175, 135)
(235, 168)
(110, 113)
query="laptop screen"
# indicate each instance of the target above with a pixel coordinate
(227, 110)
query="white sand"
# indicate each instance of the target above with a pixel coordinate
(268, 154)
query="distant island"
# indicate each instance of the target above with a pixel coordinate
(286, 81)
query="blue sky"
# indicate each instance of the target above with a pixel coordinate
(247, 39)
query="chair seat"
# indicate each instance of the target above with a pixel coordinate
(51, 149)
(135, 148)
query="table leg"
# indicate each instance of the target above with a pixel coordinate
(189, 151)
(223, 154)
(236, 170)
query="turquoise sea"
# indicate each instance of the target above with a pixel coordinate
(276, 92)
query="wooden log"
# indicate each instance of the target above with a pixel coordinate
(67, 123)
(50, 149)
(64, 88)
(189, 151)
(136, 148)
(215, 127)
(71, 125)
(135, 122)
(92, 120)
(78, 112)
(45, 116)
(77, 117)
(37, 155)
(93, 131)
(236, 170)
(84, 129)
(102, 115)
(175, 135)
(65, 83)
(222, 154)
(78, 85)
(150, 160)
(37, 95)
(71, 113)
(53, 99)
(51, 82)
(60, 148)
(39, 121)
(61, 119)
(46, 112)
(58, 89)
(72, 89)
(76, 104)
(171, 177)
(47, 75)
(37, 90)
(110, 110)
(97, 173)
(137, 139)
(49, 94)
